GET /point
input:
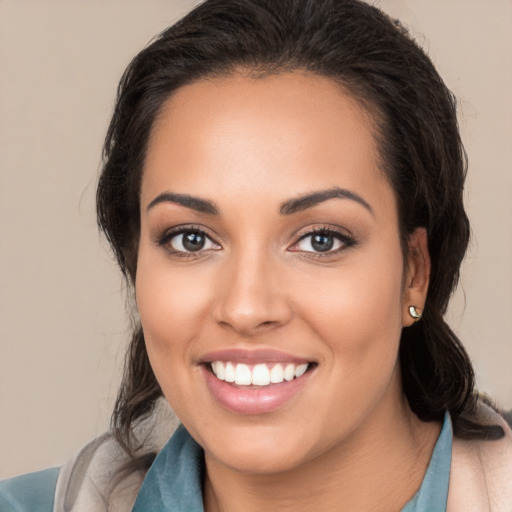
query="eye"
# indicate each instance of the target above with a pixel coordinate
(188, 241)
(324, 241)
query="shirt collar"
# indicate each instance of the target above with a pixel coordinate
(174, 481)
(433, 493)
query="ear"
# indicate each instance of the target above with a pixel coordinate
(417, 275)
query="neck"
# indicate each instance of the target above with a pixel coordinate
(389, 455)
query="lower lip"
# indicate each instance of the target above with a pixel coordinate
(253, 400)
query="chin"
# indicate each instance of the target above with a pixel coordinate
(257, 449)
(258, 461)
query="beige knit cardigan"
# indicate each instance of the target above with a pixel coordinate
(480, 479)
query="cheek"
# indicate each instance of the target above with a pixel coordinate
(369, 290)
(357, 309)
(356, 313)
(172, 306)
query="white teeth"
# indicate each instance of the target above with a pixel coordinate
(243, 375)
(220, 371)
(289, 372)
(229, 375)
(276, 374)
(300, 370)
(261, 374)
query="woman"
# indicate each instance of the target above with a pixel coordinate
(282, 189)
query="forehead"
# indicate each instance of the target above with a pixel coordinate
(281, 135)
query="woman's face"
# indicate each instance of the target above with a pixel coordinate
(269, 245)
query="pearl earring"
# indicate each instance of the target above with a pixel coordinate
(415, 313)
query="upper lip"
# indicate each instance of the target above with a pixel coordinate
(254, 356)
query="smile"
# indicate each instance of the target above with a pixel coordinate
(261, 374)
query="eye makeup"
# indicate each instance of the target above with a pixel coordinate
(195, 241)
(192, 241)
(325, 241)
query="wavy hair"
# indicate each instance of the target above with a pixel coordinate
(385, 70)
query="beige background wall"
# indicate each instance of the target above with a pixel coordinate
(62, 326)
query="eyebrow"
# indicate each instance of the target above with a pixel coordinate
(289, 207)
(194, 203)
(306, 201)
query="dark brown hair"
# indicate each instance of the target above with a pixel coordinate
(377, 62)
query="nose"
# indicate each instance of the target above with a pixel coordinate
(250, 298)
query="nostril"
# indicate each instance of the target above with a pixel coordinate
(250, 309)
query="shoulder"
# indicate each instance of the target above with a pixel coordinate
(33, 492)
(85, 483)
(90, 482)
(481, 472)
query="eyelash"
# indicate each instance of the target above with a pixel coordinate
(346, 240)
(342, 236)
(165, 239)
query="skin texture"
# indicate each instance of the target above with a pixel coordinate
(249, 145)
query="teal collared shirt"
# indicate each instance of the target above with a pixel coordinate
(173, 483)
(433, 493)
(33, 492)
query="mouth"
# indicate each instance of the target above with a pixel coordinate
(256, 382)
(260, 375)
